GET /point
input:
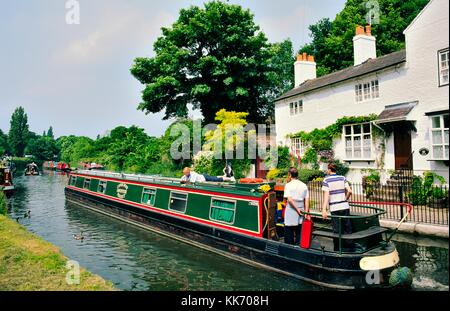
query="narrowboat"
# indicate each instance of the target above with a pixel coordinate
(6, 180)
(56, 166)
(239, 221)
(31, 170)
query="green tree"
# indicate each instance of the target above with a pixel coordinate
(212, 57)
(42, 148)
(4, 147)
(50, 133)
(332, 41)
(18, 133)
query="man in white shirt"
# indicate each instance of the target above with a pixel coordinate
(191, 176)
(297, 196)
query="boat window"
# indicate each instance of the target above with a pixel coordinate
(149, 196)
(87, 184)
(102, 186)
(73, 180)
(222, 210)
(178, 202)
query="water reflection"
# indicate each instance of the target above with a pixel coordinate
(136, 259)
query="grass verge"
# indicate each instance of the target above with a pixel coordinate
(29, 263)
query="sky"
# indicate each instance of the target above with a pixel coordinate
(76, 77)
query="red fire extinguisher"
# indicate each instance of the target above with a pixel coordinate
(307, 229)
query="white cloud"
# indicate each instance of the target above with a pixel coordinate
(112, 31)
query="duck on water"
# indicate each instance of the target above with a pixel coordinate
(239, 220)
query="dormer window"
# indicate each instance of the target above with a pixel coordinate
(367, 91)
(296, 108)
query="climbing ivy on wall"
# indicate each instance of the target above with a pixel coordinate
(322, 139)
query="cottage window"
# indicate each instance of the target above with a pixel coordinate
(358, 93)
(375, 89)
(443, 67)
(297, 147)
(296, 108)
(439, 134)
(102, 186)
(367, 91)
(178, 202)
(148, 196)
(358, 141)
(87, 183)
(222, 210)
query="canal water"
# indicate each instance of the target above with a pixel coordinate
(136, 259)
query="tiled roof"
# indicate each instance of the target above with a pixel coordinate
(396, 111)
(371, 65)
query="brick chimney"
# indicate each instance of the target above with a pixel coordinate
(305, 68)
(364, 45)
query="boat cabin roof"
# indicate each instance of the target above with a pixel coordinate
(235, 188)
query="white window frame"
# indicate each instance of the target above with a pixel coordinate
(218, 207)
(172, 193)
(144, 192)
(298, 145)
(87, 181)
(443, 67)
(361, 135)
(296, 108)
(101, 182)
(441, 129)
(367, 91)
(73, 181)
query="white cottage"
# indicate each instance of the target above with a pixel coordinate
(408, 90)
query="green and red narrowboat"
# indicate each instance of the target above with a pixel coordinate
(6, 180)
(239, 221)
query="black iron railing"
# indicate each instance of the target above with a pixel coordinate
(431, 203)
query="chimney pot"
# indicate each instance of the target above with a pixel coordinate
(305, 68)
(359, 30)
(368, 30)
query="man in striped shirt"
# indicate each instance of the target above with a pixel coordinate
(336, 193)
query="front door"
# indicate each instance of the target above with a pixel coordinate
(402, 145)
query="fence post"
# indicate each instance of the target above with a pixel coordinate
(400, 193)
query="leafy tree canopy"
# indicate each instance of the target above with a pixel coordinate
(18, 133)
(4, 147)
(42, 148)
(212, 58)
(50, 132)
(332, 40)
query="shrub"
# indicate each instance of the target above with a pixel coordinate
(3, 208)
(371, 181)
(424, 190)
(307, 175)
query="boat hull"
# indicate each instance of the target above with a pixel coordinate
(8, 190)
(320, 268)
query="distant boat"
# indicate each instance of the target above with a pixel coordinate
(91, 166)
(57, 166)
(31, 170)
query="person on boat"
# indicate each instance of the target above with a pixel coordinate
(228, 170)
(336, 194)
(297, 195)
(190, 176)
